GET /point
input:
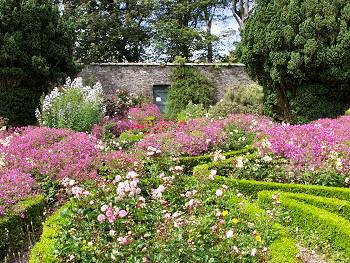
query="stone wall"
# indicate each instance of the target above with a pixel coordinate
(142, 77)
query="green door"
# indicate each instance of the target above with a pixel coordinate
(160, 97)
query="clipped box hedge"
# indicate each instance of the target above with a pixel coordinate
(252, 187)
(330, 227)
(189, 162)
(15, 228)
(43, 251)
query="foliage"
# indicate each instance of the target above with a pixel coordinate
(187, 84)
(245, 99)
(292, 44)
(330, 227)
(110, 30)
(16, 227)
(77, 107)
(36, 47)
(3, 122)
(43, 250)
(118, 104)
(192, 111)
(313, 102)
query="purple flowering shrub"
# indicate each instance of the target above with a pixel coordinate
(15, 186)
(321, 145)
(58, 153)
(144, 113)
(189, 138)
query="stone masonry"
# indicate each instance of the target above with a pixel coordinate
(141, 78)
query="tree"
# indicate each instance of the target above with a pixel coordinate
(293, 46)
(241, 10)
(36, 48)
(179, 28)
(111, 30)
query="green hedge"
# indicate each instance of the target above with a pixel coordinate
(253, 187)
(330, 227)
(283, 249)
(15, 230)
(222, 167)
(43, 251)
(189, 162)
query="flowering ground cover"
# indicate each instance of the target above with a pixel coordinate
(133, 195)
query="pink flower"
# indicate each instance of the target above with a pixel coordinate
(110, 215)
(101, 218)
(71, 258)
(123, 240)
(122, 213)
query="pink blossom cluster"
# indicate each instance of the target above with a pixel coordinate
(249, 122)
(111, 213)
(191, 138)
(320, 145)
(128, 187)
(15, 186)
(145, 112)
(167, 182)
(59, 153)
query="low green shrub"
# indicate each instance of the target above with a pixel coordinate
(189, 162)
(330, 227)
(16, 227)
(253, 187)
(43, 251)
(283, 249)
(244, 99)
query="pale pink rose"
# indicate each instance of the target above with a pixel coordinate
(122, 213)
(101, 217)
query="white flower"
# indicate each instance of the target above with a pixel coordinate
(229, 234)
(267, 158)
(219, 192)
(240, 163)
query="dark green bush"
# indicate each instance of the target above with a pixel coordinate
(312, 102)
(15, 228)
(187, 84)
(36, 50)
(292, 47)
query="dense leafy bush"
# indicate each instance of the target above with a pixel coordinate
(313, 102)
(76, 106)
(36, 50)
(288, 44)
(244, 99)
(187, 84)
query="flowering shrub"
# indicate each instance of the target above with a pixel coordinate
(75, 106)
(163, 217)
(322, 145)
(145, 113)
(14, 186)
(117, 104)
(58, 153)
(191, 138)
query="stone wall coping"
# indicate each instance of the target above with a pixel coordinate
(167, 64)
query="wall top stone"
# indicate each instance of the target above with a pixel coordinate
(168, 64)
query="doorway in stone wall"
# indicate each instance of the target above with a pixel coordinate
(160, 97)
